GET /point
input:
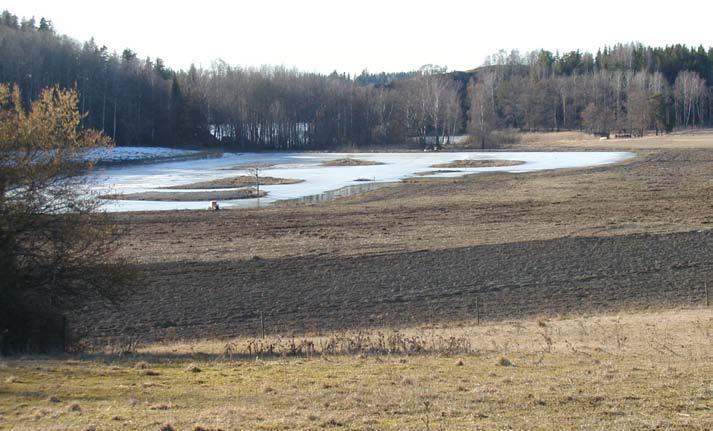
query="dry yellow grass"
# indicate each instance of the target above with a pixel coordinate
(637, 371)
(657, 331)
(582, 141)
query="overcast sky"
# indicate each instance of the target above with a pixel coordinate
(323, 35)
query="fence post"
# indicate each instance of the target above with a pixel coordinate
(65, 338)
(705, 287)
(477, 311)
(262, 325)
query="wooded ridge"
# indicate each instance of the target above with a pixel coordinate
(627, 89)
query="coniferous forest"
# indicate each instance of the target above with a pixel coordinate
(626, 88)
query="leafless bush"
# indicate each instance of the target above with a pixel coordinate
(504, 138)
(705, 328)
(120, 346)
(619, 335)
(547, 337)
(352, 343)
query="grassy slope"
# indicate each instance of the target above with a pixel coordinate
(638, 371)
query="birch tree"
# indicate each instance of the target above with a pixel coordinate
(482, 118)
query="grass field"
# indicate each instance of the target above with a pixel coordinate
(609, 372)
(590, 286)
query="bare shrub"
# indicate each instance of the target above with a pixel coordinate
(359, 343)
(120, 346)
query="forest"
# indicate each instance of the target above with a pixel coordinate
(627, 89)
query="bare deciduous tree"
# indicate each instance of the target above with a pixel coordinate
(482, 116)
(689, 90)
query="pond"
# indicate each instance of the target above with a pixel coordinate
(320, 178)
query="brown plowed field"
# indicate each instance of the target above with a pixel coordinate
(632, 235)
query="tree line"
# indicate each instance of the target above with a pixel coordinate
(627, 88)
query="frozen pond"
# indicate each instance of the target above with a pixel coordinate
(318, 179)
(127, 154)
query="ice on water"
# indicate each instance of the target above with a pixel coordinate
(318, 178)
(116, 154)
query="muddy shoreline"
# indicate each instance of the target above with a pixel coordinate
(477, 163)
(235, 182)
(220, 195)
(350, 162)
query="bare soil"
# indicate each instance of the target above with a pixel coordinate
(234, 182)
(633, 235)
(316, 293)
(244, 193)
(478, 163)
(350, 162)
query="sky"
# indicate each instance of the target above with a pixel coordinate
(322, 36)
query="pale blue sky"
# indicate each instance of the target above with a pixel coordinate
(322, 35)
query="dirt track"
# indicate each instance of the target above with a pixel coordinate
(571, 241)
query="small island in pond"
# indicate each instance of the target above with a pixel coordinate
(221, 195)
(350, 162)
(475, 163)
(436, 172)
(235, 182)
